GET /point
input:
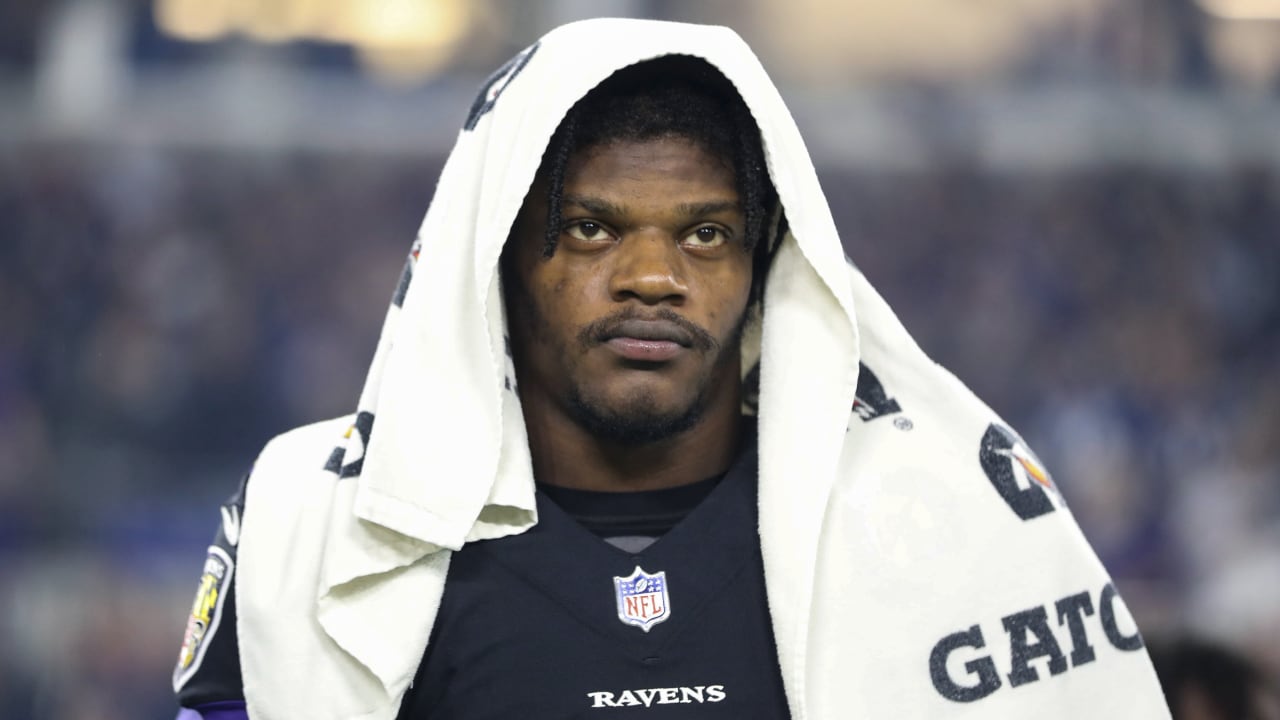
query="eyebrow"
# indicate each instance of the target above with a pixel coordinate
(603, 207)
(710, 208)
(594, 205)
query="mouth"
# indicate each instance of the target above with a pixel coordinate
(651, 341)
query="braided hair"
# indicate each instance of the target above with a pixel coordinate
(672, 96)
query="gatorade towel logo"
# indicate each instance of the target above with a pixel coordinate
(1017, 474)
(492, 88)
(406, 275)
(1031, 645)
(347, 459)
(870, 400)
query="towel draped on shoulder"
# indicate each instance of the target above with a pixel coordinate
(919, 560)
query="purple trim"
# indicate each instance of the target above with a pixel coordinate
(225, 710)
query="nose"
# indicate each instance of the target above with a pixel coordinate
(649, 267)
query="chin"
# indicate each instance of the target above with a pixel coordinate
(636, 419)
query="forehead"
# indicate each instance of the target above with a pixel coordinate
(674, 162)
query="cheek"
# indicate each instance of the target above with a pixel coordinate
(564, 293)
(555, 292)
(733, 291)
(558, 301)
(574, 289)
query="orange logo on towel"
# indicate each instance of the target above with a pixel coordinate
(1017, 474)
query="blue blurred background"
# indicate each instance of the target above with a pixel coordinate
(204, 206)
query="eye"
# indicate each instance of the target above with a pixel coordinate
(707, 236)
(587, 231)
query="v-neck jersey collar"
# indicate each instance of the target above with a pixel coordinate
(716, 541)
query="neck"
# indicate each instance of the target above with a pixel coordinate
(567, 455)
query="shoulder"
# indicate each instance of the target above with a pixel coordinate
(305, 447)
(917, 433)
(288, 501)
(290, 480)
(287, 493)
(945, 510)
(930, 459)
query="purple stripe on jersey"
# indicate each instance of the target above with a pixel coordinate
(226, 710)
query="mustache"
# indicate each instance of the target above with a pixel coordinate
(615, 325)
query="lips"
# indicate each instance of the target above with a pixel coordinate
(651, 330)
(648, 340)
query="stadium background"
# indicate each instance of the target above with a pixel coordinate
(204, 206)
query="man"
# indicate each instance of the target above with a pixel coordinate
(637, 440)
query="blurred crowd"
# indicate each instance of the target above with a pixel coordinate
(162, 314)
(165, 311)
(160, 317)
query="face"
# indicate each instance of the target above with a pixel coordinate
(631, 327)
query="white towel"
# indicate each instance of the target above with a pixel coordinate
(906, 536)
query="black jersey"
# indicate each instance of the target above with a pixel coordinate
(631, 521)
(557, 622)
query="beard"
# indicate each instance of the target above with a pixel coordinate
(637, 419)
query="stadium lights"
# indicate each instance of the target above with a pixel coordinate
(1242, 9)
(397, 39)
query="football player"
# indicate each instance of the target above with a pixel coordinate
(638, 441)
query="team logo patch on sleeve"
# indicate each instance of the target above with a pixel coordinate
(206, 612)
(642, 598)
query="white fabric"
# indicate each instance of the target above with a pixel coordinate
(878, 540)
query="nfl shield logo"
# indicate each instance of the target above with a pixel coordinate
(642, 598)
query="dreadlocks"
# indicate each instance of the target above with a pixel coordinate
(678, 96)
